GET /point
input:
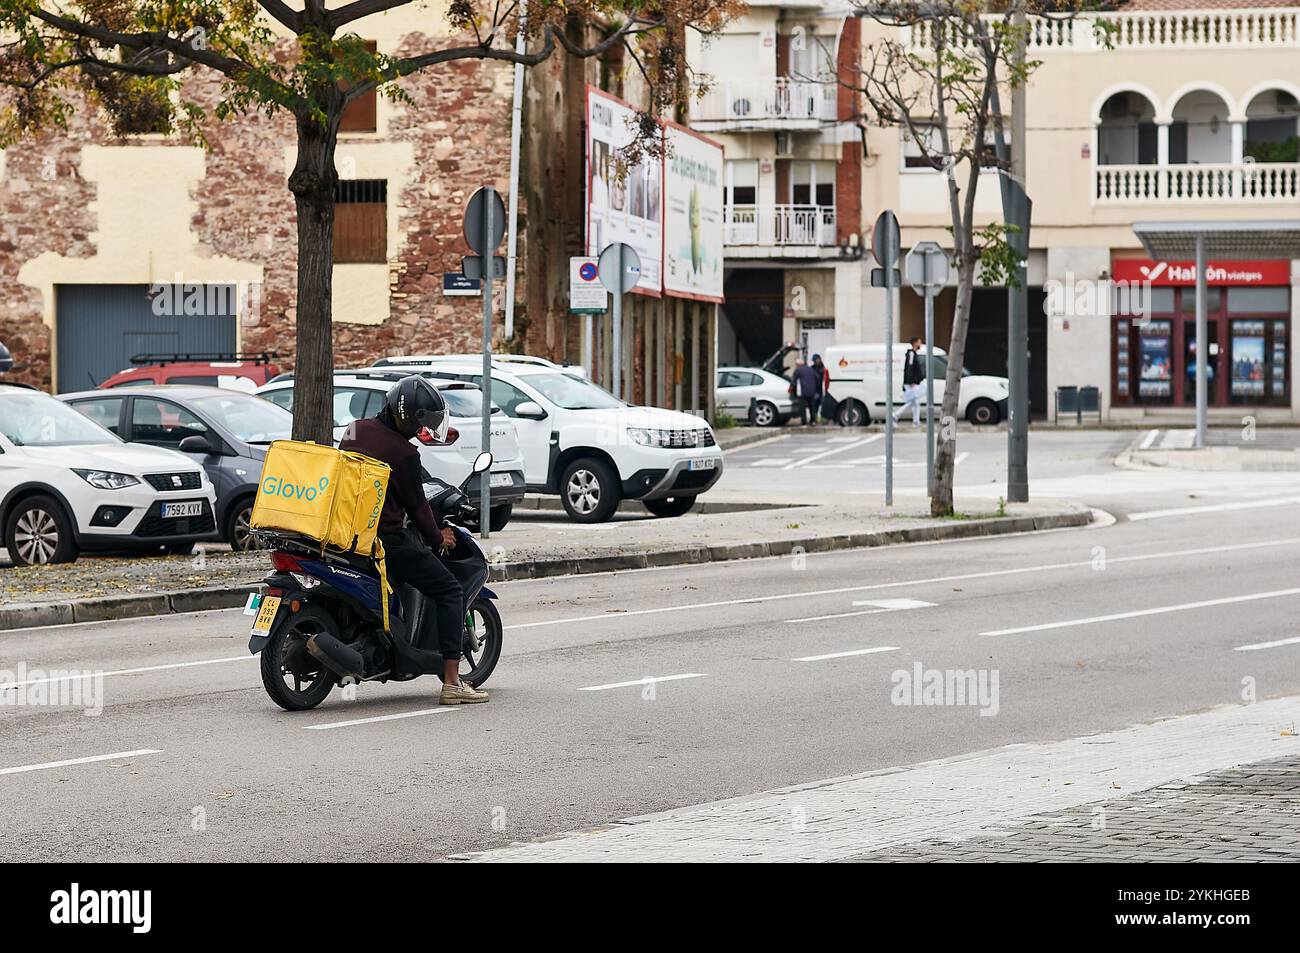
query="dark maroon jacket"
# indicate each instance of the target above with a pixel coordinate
(375, 438)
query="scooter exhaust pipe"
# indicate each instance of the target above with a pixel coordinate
(337, 657)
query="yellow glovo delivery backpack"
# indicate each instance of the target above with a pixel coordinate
(330, 496)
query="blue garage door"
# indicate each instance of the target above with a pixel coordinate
(101, 328)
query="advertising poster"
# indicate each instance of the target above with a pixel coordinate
(692, 215)
(1157, 373)
(623, 204)
(1248, 358)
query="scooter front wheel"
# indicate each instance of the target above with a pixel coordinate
(295, 680)
(484, 623)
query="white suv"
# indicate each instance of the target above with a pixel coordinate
(361, 394)
(583, 443)
(67, 485)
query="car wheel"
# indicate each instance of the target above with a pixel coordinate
(589, 491)
(672, 506)
(239, 533)
(982, 412)
(852, 413)
(765, 414)
(38, 531)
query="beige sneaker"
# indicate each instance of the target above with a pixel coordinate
(462, 693)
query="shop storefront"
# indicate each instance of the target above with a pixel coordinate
(1153, 333)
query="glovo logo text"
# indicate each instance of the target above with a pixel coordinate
(276, 486)
(379, 505)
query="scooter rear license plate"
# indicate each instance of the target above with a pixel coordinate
(266, 615)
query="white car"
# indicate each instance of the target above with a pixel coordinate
(418, 360)
(583, 443)
(737, 386)
(361, 394)
(68, 485)
(858, 386)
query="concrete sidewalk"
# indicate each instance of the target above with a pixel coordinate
(535, 544)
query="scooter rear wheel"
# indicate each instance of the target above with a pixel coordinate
(475, 667)
(295, 680)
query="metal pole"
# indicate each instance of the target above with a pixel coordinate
(588, 348)
(1018, 296)
(485, 478)
(617, 378)
(516, 121)
(929, 384)
(891, 257)
(1202, 347)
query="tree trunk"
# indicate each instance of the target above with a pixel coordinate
(945, 456)
(313, 183)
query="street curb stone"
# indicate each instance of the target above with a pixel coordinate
(107, 608)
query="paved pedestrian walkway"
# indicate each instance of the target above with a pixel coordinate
(982, 795)
(1249, 813)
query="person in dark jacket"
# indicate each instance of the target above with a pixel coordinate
(824, 373)
(913, 378)
(411, 404)
(806, 389)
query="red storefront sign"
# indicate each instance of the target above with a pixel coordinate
(1182, 274)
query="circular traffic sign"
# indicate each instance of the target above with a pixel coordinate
(588, 271)
(620, 268)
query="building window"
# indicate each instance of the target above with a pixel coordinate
(361, 221)
(742, 182)
(812, 183)
(913, 155)
(362, 114)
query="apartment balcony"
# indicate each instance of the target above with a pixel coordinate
(779, 231)
(1143, 31)
(777, 104)
(1239, 183)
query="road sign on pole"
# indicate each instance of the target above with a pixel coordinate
(927, 272)
(884, 248)
(620, 270)
(485, 226)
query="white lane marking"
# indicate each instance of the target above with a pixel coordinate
(1215, 508)
(987, 574)
(746, 447)
(367, 721)
(840, 449)
(1139, 613)
(830, 655)
(116, 755)
(648, 680)
(893, 603)
(1149, 439)
(1178, 440)
(836, 615)
(772, 462)
(1267, 645)
(126, 671)
(840, 439)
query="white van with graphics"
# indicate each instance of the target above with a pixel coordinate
(858, 385)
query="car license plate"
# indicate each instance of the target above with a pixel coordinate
(500, 480)
(173, 510)
(266, 615)
(706, 463)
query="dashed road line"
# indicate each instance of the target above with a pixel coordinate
(649, 680)
(115, 756)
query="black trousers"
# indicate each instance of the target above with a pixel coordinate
(410, 561)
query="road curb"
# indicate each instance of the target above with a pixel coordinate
(105, 608)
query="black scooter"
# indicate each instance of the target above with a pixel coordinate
(319, 623)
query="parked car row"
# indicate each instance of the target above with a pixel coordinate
(857, 385)
(167, 455)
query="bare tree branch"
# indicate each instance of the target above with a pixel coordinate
(283, 14)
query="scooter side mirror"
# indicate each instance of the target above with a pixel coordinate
(482, 462)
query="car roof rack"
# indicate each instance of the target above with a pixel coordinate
(389, 374)
(259, 357)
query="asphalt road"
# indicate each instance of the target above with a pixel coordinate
(1088, 630)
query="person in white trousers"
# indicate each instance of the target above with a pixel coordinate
(913, 382)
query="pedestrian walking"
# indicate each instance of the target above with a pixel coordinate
(913, 380)
(823, 375)
(806, 389)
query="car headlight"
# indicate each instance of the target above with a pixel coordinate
(648, 438)
(106, 479)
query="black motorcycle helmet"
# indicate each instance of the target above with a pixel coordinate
(413, 403)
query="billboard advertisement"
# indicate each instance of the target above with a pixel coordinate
(692, 265)
(623, 204)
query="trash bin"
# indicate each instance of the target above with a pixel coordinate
(1089, 402)
(1067, 401)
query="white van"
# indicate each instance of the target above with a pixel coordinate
(858, 384)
